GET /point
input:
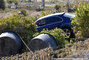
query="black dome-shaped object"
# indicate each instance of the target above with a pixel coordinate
(42, 41)
(10, 44)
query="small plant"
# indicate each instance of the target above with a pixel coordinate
(57, 7)
(24, 12)
(57, 33)
(61, 4)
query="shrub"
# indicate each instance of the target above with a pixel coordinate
(24, 12)
(57, 7)
(81, 21)
(44, 13)
(19, 24)
(57, 33)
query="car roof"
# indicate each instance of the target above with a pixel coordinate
(57, 14)
(69, 15)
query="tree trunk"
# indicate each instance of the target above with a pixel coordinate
(2, 4)
(43, 3)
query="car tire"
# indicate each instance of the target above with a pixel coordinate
(68, 33)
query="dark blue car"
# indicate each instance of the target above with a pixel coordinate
(59, 20)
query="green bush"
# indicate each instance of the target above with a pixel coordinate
(24, 12)
(19, 24)
(81, 21)
(57, 33)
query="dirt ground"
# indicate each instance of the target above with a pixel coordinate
(8, 14)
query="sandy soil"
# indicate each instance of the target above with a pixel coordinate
(30, 13)
(7, 14)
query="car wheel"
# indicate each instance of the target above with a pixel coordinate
(67, 33)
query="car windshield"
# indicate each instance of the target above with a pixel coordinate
(41, 22)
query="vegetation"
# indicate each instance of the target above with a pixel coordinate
(79, 49)
(57, 7)
(12, 1)
(26, 28)
(24, 12)
(2, 4)
(8, 10)
(81, 20)
(45, 13)
(57, 33)
(38, 55)
(61, 4)
(19, 24)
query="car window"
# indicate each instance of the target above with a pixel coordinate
(53, 20)
(41, 22)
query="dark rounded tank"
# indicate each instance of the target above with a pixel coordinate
(42, 41)
(10, 44)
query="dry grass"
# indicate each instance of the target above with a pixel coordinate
(78, 50)
(38, 55)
